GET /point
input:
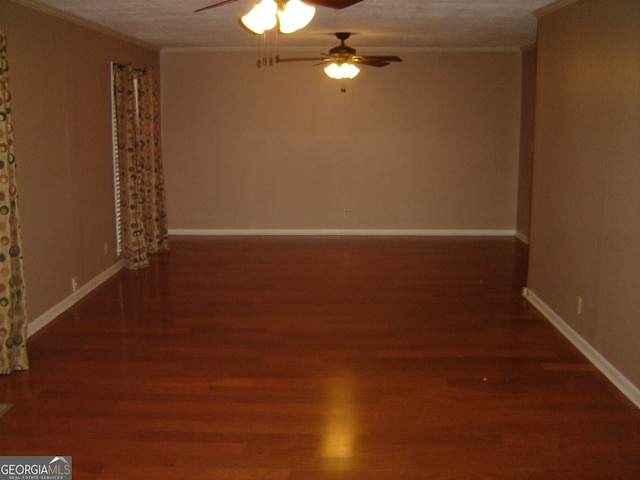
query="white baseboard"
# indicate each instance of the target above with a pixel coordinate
(72, 299)
(522, 237)
(623, 384)
(340, 232)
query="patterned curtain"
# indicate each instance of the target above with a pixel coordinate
(13, 311)
(143, 218)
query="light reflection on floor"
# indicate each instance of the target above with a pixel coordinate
(340, 428)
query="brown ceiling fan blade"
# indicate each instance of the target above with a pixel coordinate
(372, 62)
(219, 4)
(381, 58)
(337, 4)
(298, 59)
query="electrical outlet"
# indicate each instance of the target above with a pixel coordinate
(74, 284)
(346, 212)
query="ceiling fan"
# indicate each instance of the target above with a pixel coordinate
(345, 55)
(337, 4)
(290, 15)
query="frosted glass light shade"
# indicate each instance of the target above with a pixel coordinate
(338, 72)
(261, 17)
(294, 16)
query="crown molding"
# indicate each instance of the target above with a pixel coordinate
(378, 50)
(552, 7)
(40, 7)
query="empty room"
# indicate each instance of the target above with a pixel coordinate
(372, 240)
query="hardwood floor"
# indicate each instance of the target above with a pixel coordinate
(318, 358)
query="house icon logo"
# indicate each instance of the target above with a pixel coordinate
(59, 467)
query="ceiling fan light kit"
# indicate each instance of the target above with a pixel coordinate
(341, 72)
(292, 15)
(341, 60)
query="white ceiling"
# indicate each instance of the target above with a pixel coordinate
(400, 24)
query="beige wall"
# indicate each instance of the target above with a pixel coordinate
(585, 232)
(59, 79)
(429, 143)
(527, 129)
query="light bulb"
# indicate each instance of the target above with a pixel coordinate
(261, 17)
(349, 70)
(332, 71)
(294, 16)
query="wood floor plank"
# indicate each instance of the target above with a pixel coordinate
(318, 358)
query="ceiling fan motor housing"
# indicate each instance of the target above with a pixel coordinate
(342, 52)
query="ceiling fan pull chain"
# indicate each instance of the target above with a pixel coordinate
(258, 62)
(264, 48)
(274, 49)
